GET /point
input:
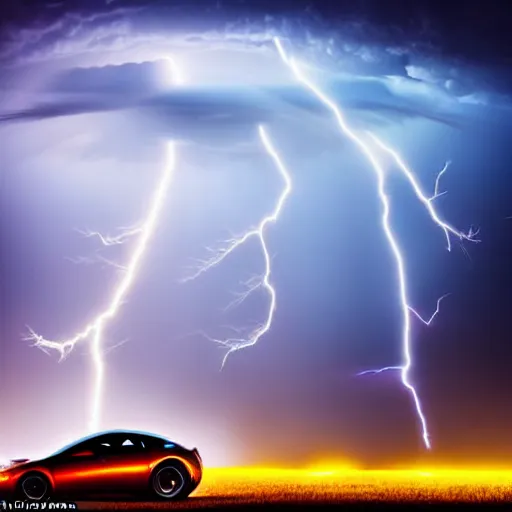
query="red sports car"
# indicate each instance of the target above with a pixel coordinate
(113, 462)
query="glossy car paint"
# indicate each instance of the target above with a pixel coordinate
(87, 467)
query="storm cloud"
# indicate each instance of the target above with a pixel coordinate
(87, 99)
(132, 87)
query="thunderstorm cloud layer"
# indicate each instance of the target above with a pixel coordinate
(88, 100)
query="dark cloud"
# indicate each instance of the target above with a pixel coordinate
(34, 35)
(132, 79)
(333, 318)
(129, 87)
(53, 110)
(467, 49)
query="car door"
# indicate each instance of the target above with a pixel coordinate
(126, 467)
(80, 470)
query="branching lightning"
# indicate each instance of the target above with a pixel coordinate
(422, 197)
(234, 344)
(95, 329)
(108, 240)
(438, 179)
(434, 314)
(391, 237)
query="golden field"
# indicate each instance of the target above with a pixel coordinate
(358, 485)
(232, 487)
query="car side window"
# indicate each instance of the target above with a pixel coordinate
(99, 446)
(117, 445)
(151, 443)
(103, 448)
(126, 445)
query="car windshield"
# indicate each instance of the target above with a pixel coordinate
(67, 447)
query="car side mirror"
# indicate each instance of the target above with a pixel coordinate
(86, 453)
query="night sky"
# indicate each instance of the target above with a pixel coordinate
(87, 104)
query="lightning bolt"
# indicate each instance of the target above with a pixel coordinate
(175, 72)
(238, 343)
(366, 150)
(436, 188)
(108, 240)
(95, 330)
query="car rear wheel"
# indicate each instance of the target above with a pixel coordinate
(171, 481)
(34, 487)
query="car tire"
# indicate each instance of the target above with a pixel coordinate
(170, 481)
(34, 487)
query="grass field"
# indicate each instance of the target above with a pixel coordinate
(360, 485)
(258, 486)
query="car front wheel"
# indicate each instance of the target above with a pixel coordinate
(34, 487)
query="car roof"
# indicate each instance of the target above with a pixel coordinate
(124, 432)
(111, 432)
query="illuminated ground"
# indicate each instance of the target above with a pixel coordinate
(242, 487)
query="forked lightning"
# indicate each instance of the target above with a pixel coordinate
(370, 146)
(95, 330)
(258, 232)
(365, 148)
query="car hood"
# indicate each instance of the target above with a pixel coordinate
(14, 463)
